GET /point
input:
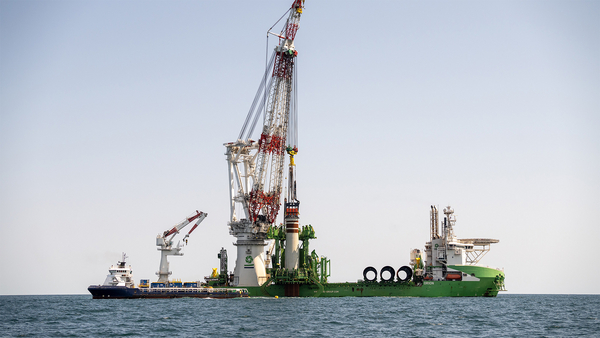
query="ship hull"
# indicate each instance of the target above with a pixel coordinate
(122, 292)
(385, 289)
(486, 286)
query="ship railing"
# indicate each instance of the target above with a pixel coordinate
(177, 289)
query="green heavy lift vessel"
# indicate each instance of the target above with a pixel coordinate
(447, 270)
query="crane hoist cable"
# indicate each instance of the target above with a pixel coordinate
(254, 111)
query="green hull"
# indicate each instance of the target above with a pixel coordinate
(488, 286)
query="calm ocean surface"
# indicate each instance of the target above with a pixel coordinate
(504, 316)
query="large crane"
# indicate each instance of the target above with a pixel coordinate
(256, 168)
(164, 241)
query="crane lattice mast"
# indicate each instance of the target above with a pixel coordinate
(256, 168)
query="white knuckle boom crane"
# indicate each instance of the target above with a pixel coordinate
(164, 241)
(256, 168)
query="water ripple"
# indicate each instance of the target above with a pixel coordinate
(504, 316)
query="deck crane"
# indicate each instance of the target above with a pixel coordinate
(164, 241)
(256, 168)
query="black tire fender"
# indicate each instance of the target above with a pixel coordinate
(367, 270)
(408, 272)
(390, 270)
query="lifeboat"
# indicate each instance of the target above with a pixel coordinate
(454, 276)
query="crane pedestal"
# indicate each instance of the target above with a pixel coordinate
(249, 265)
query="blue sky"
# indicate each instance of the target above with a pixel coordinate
(113, 115)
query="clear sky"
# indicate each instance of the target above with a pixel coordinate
(113, 116)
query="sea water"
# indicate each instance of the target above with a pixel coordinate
(503, 316)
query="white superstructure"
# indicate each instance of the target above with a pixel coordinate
(447, 249)
(120, 274)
